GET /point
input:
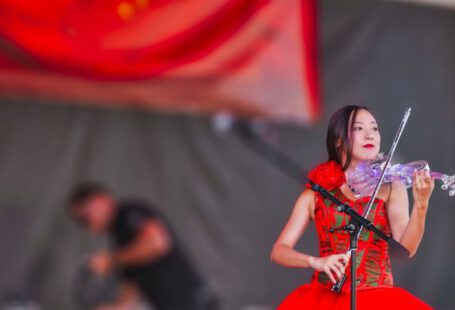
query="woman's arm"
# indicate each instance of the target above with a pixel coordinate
(408, 230)
(283, 251)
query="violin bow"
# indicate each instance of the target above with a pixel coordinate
(407, 113)
(392, 243)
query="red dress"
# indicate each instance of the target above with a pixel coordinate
(374, 275)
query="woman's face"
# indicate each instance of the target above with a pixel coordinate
(365, 137)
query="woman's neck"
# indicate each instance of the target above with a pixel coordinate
(351, 167)
(344, 187)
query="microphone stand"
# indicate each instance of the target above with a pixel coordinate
(356, 223)
(270, 153)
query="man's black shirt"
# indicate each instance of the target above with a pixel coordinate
(169, 282)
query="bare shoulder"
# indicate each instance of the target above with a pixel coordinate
(307, 196)
(308, 193)
(307, 201)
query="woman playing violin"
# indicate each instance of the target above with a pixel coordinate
(353, 136)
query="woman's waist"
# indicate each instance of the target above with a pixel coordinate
(363, 280)
(347, 286)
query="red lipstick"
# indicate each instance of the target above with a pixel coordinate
(369, 146)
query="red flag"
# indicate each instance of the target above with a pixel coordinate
(249, 57)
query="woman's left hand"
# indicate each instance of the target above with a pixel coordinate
(422, 188)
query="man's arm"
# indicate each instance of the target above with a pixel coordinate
(152, 243)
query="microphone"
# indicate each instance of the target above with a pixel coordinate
(260, 138)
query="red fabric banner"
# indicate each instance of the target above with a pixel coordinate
(249, 57)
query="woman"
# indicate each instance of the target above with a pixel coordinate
(353, 136)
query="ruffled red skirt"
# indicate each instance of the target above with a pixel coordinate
(315, 296)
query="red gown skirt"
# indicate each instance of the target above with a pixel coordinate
(314, 296)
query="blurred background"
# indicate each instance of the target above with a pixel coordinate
(165, 100)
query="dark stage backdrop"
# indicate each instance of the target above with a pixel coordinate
(227, 204)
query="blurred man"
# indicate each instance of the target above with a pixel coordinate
(145, 251)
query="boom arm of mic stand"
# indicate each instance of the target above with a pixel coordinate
(272, 154)
(349, 211)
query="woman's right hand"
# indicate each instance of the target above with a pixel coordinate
(332, 264)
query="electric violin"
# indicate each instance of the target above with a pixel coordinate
(364, 178)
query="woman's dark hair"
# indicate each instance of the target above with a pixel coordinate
(338, 133)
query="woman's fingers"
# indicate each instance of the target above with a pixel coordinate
(343, 258)
(329, 273)
(340, 266)
(423, 180)
(417, 180)
(423, 185)
(337, 271)
(428, 179)
(335, 266)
